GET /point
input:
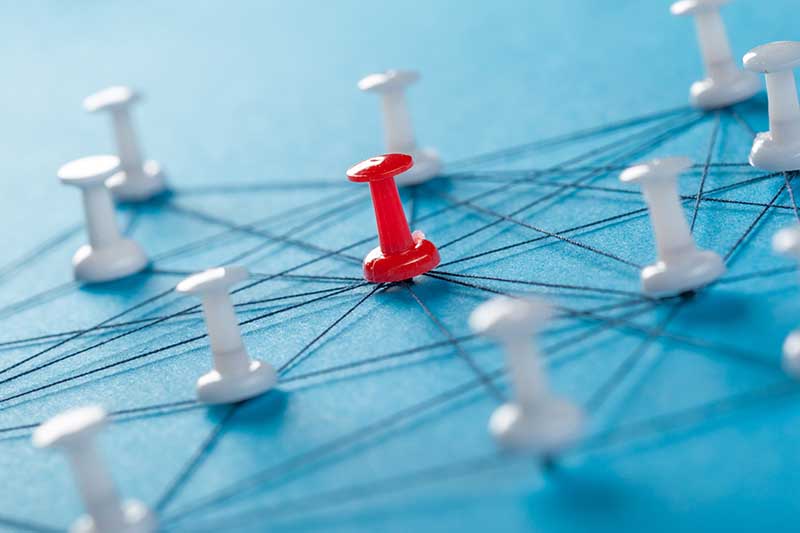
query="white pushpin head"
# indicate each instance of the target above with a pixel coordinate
(692, 7)
(504, 318)
(725, 84)
(667, 168)
(90, 171)
(73, 431)
(70, 428)
(787, 242)
(235, 377)
(391, 85)
(773, 57)
(137, 179)
(391, 80)
(535, 421)
(213, 280)
(681, 266)
(779, 148)
(108, 256)
(111, 98)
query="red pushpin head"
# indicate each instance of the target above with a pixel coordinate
(401, 255)
(380, 168)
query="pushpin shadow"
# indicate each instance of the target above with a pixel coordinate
(588, 494)
(268, 408)
(756, 104)
(715, 307)
(119, 286)
(158, 201)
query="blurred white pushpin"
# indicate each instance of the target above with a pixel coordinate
(681, 266)
(787, 242)
(536, 420)
(391, 85)
(73, 431)
(137, 179)
(235, 376)
(108, 255)
(725, 83)
(779, 148)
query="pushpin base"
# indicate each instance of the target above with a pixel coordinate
(427, 164)
(137, 517)
(771, 155)
(547, 428)
(711, 93)
(129, 187)
(791, 355)
(691, 271)
(117, 261)
(215, 388)
(423, 257)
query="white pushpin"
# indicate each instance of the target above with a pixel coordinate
(536, 420)
(391, 85)
(137, 179)
(73, 431)
(779, 148)
(108, 256)
(725, 84)
(681, 266)
(787, 242)
(235, 376)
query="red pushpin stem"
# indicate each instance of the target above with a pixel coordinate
(393, 230)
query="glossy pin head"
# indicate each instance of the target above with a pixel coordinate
(657, 169)
(502, 318)
(380, 168)
(90, 171)
(401, 254)
(692, 7)
(70, 428)
(391, 80)
(724, 84)
(110, 98)
(773, 57)
(779, 148)
(213, 280)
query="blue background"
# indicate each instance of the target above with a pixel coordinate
(252, 109)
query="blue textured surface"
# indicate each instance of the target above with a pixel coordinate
(693, 425)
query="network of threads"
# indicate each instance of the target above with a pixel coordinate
(579, 173)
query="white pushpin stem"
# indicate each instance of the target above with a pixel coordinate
(672, 234)
(524, 365)
(128, 147)
(714, 44)
(227, 348)
(784, 108)
(98, 492)
(397, 122)
(101, 224)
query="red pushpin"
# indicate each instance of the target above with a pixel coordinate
(402, 254)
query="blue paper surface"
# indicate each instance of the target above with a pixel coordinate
(380, 422)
